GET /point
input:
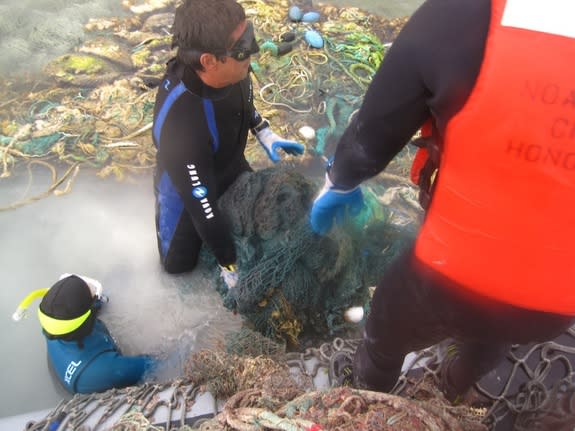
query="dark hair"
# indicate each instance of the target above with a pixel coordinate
(202, 26)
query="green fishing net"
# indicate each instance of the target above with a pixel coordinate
(294, 283)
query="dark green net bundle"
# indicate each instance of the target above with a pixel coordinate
(294, 283)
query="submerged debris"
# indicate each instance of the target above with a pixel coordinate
(93, 107)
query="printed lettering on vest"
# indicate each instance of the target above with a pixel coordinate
(200, 191)
(549, 94)
(538, 153)
(70, 370)
(552, 152)
(563, 128)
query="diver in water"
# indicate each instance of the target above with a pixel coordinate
(203, 113)
(492, 264)
(81, 352)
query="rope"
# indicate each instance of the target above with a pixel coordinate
(68, 177)
(540, 404)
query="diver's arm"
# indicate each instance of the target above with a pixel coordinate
(429, 71)
(110, 369)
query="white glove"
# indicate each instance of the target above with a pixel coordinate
(272, 143)
(230, 275)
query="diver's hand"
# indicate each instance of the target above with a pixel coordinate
(230, 275)
(272, 143)
(331, 204)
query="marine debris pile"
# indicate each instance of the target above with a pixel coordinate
(294, 285)
(92, 108)
(279, 392)
(269, 389)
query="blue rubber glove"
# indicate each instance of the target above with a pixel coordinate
(272, 143)
(332, 204)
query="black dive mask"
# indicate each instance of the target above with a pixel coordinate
(245, 46)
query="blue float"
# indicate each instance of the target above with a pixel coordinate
(295, 13)
(314, 39)
(310, 17)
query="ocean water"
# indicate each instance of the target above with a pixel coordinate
(102, 229)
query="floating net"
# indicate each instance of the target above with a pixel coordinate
(294, 284)
(92, 108)
(293, 391)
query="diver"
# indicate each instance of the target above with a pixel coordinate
(81, 352)
(203, 112)
(492, 264)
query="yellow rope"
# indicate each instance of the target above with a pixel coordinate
(69, 175)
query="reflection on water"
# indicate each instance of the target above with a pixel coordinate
(102, 228)
(387, 8)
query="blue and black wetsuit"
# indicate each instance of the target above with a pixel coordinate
(200, 134)
(96, 366)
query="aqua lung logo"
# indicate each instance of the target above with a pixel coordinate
(199, 191)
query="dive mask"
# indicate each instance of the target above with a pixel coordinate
(245, 46)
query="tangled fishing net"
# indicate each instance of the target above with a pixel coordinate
(292, 391)
(533, 390)
(92, 108)
(294, 284)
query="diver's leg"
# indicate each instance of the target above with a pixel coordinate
(179, 253)
(403, 318)
(464, 363)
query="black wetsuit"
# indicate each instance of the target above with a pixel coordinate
(200, 134)
(429, 71)
(430, 68)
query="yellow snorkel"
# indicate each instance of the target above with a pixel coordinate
(22, 309)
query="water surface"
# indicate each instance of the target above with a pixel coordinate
(103, 229)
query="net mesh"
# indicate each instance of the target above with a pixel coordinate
(292, 282)
(533, 389)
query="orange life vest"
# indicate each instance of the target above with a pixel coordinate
(502, 220)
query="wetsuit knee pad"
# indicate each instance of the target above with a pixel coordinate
(178, 264)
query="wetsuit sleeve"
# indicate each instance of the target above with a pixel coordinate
(189, 161)
(429, 71)
(256, 119)
(112, 370)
